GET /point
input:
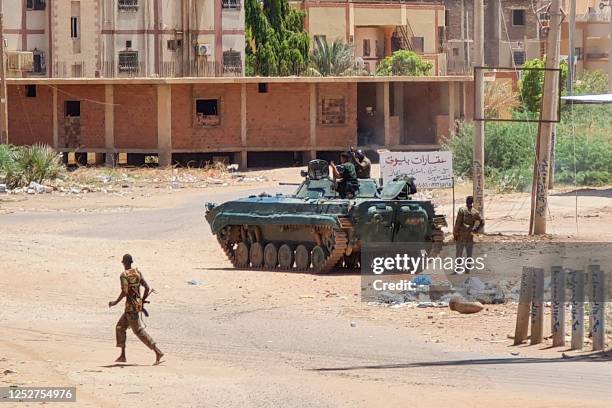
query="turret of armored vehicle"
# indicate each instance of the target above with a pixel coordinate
(315, 230)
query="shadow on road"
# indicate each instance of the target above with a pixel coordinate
(586, 192)
(596, 357)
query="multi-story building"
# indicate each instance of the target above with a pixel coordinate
(591, 46)
(108, 38)
(376, 29)
(514, 33)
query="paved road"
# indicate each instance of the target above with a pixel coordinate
(278, 339)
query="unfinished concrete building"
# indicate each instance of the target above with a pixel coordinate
(119, 38)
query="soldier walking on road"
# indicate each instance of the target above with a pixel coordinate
(131, 280)
(467, 223)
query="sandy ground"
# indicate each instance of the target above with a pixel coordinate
(262, 339)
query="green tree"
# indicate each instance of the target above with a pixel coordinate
(404, 62)
(331, 59)
(277, 44)
(532, 82)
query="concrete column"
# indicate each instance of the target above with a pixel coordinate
(243, 126)
(382, 106)
(398, 104)
(388, 35)
(109, 124)
(313, 120)
(164, 124)
(55, 120)
(451, 108)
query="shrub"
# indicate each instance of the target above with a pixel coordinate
(21, 165)
(404, 62)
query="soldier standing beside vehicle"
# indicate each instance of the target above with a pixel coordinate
(346, 176)
(468, 223)
(363, 165)
(131, 280)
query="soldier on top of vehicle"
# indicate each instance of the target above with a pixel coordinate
(346, 176)
(363, 165)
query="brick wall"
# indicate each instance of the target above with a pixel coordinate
(30, 119)
(187, 136)
(92, 101)
(279, 117)
(338, 135)
(135, 116)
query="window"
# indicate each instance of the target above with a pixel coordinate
(128, 5)
(72, 109)
(366, 47)
(518, 17)
(128, 61)
(74, 27)
(333, 111)
(578, 53)
(35, 4)
(30, 91)
(446, 18)
(262, 87)
(207, 112)
(231, 4)
(174, 45)
(232, 61)
(128, 44)
(518, 57)
(544, 16)
(380, 48)
(455, 52)
(418, 44)
(38, 64)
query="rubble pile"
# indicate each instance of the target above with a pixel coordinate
(469, 296)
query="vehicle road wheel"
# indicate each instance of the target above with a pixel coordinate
(318, 258)
(241, 255)
(285, 256)
(256, 255)
(302, 258)
(270, 255)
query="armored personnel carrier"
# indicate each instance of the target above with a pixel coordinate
(315, 230)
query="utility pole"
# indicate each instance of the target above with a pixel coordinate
(550, 96)
(3, 109)
(479, 125)
(610, 49)
(572, 48)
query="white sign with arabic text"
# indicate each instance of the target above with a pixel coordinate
(429, 169)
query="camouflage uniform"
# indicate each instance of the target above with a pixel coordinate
(131, 280)
(467, 220)
(348, 184)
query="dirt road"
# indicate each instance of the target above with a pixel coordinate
(248, 338)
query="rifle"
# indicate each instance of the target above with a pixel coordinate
(144, 301)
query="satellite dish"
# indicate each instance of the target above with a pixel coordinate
(602, 5)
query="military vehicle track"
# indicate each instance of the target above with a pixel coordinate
(300, 257)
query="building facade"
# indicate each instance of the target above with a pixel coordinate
(376, 29)
(591, 39)
(514, 31)
(117, 38)
(235, 118)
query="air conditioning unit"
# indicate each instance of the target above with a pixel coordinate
(203, 49)
(20, 60)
